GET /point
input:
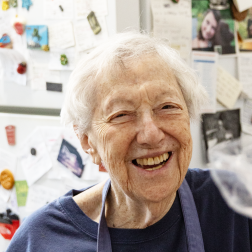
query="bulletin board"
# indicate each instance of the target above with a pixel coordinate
(32, 93)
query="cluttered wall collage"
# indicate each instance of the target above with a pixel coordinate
(40, 43)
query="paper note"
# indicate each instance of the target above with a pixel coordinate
(84, 36)
(54, 60)
(39, 196)
(7, 161)
(61, 35)
(21, 192)
(34, 166)
(173, 21)
(245, 73)
(9, 60)
(58, 9)
(84, 7)
(38, 74)
(247, 117)
(205, 63)
(228, 88)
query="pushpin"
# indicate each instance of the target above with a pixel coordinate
(33, 151)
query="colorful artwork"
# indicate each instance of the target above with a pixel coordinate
(37, 36)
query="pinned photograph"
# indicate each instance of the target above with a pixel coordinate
(212, 30)
(220, 127)
(70, 158)
(37, 36)
(94, 24)
(244, 33)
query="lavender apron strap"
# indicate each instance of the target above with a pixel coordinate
(192, 225)
(103, 239)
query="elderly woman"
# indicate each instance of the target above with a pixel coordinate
(130, 103)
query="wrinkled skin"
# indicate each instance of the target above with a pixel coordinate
(141, 113)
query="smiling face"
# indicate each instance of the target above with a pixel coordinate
(209, 26)
(141, 131)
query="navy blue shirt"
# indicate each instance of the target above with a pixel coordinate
(62, 226)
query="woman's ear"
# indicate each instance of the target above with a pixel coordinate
(88, 146)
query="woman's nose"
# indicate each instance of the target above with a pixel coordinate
(149, 133)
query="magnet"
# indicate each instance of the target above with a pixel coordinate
(5, 5)
(9, 223)
(63, 59)
(5, 41)
(13, 3)
(21, 68)
(175, 1)
(7, 179)
(18, 24)
(94, 24)
(45, 48)
(10, 133)
(61, 8)
(26, 4)
(33, 151)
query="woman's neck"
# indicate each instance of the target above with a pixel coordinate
(123, 211)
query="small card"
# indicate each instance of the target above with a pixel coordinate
(70, 158)
(37, 36)
(94, 24)
(21, 192)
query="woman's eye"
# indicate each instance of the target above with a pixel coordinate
(120, 115)
(168, 107)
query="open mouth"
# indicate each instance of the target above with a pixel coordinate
(153, 163)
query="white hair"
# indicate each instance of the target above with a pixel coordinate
(105, 61)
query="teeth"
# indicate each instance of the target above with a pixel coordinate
(156, 160)
(154, 168)
(152, 161)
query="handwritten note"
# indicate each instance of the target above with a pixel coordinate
(34, 166)
(61, 35)
(173, 21)
(37, 80)
(228, 88)
(84, 36)
(39, 196)
(9, 60)
(84, 7)
(52, 9)
(205, 63)
(245, 73)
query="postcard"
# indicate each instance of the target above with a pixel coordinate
(37, 36)
(70, 158)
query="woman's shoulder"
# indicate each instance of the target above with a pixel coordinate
(90, 201)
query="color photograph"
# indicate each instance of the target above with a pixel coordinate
(244, 33)
(37, 36)
(212, 30)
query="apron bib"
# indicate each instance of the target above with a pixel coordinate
(192, 226)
